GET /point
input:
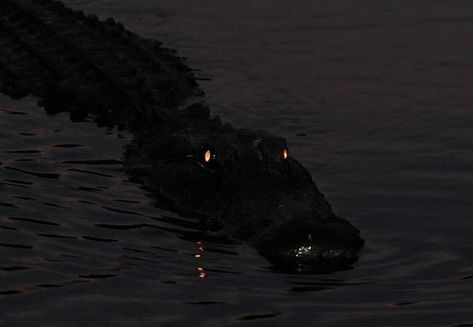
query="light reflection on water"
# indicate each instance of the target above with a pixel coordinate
(374, 101)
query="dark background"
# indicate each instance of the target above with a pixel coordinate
(373, 97)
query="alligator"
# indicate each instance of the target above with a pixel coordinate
(244, 183)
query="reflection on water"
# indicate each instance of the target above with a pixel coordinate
(374, 100)
(68, 206)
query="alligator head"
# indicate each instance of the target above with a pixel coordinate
(248, 183)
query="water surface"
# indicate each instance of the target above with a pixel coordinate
(374, 98)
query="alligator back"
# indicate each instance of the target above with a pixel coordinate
(82, 65)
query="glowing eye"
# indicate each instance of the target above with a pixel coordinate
(207, 156)
(285, 154)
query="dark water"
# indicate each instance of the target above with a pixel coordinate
(374, 98)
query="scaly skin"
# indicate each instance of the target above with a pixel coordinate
(245, 182)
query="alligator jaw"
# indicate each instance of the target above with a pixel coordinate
(309, 260)
(313, 248)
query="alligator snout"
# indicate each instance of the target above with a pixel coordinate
(285, 217)
(312, 246)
